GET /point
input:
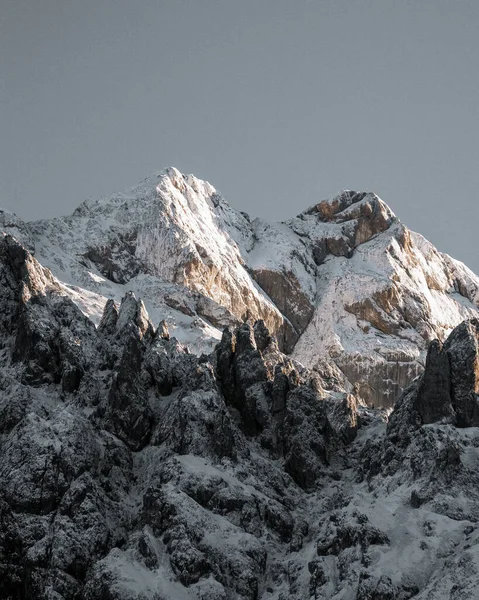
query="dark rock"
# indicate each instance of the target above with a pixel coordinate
(318, 577)
(262, 335)
(109, 319)
(13, 575)
(147, 551)
(416, 499)
(157, 363)
(189, 564)
(40, 459)
(304, 437)
(198, 423)
(384, 589)
(433, 401)
(285, 290)
(225, 352)
(338, 538)
(279, 393)
(239, 367)
(162, 331)
(462, 348)
(320, 252)
(128, 411)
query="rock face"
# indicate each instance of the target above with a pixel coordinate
(126, 462)
(434, 401)
(344, 281)
(131, 469)
(449, 387)
(462, 348)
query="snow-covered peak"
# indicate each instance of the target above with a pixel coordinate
(343, 279)
(347, 205)
(12, 225)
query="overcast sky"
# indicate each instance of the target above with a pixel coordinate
(278, 103)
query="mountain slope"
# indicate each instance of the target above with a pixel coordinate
(131, 469)
(344, 281)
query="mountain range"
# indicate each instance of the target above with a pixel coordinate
(345, 281)
(195, 404)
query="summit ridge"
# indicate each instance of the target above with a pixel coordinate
(195, 404)
(345, 279)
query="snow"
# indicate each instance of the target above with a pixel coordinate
(174, 236)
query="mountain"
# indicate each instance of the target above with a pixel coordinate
(132, 469)
(343, 286)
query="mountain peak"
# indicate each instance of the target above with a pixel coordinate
(131, 467)
(345, 278)
(185, 184)
(350, 204)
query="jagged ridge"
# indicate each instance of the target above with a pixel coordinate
(132, 469)
(344, 281)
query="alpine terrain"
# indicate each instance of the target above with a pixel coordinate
(195, 404)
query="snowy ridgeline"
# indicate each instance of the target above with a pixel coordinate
(343, 281)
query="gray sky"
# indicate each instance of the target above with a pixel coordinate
(277, 103)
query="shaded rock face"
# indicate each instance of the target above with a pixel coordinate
(21, 276)
(277, 405)
(129, 413)
(127, 462)
(448, 389)
(462, 348)
(158, 474)
(344, 280)
(434, 401)
(117, 261)
(285, 290)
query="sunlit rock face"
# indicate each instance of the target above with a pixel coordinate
(345, 281)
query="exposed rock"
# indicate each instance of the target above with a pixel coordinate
(434, 392)
(158, 364)
(130, 467)
(133, 312)
(384, 589)
(109, 319)
(285, 290)
(162, 331)
(305, 437)
(462, 348)
(338, 538)
(262, 336)
(128, 412)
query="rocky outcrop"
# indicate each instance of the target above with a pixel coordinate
(462, 348)
(128, 412)
(447, 390)
(344, 280)
(132, 468)
(285, 290)
(123, 454)
(434, 392)
(363, 215)
(280, 407)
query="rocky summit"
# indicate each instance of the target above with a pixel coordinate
(199, 405)
(344, 282)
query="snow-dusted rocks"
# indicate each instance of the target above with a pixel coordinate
(141, 479)
(447, 391)
(343, 282)
(379, 306)
(132, 469)
(171, 232)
